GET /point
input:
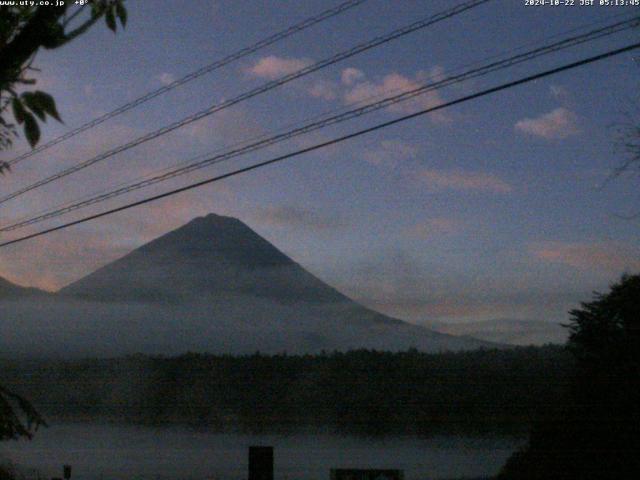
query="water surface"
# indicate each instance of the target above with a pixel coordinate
(111, 451)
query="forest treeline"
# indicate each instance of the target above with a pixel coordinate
(369, 392)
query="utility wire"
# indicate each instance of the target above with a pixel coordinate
(324, 114)
(308, 22)
(263, 142)
(334, 141)
(254, 92)
(202, 156)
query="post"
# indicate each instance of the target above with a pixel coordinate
(260, 463)
(365, 474)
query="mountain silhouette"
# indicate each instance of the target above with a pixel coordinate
(11, 291)
(212, 285)
(210, 255)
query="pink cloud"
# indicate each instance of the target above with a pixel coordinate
(51, 261)
(323, 89)
(272, 67)
(464, 180)
(608, 257)
(350, 75)
(558, 124)
(394, 84)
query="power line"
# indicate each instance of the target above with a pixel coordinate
(308, 22)
(400, 32)
(364, 101)
(202, 156)
(333, 141)
(264, 141)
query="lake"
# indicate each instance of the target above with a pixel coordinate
(112, 451)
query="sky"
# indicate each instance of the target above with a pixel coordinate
(502, 207)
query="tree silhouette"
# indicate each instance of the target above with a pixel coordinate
(597, 431)
(24, 29)
(18, 418)
(628, 134)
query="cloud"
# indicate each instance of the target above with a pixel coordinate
(292, 216)
(151, 158)
(324, 89)
(426, 286)
(390, 152)
(463, 180)
(610, 258)
(437, 73)
(350, 75)
(51, 261)
(166, 78)
(225, 128)
(402, 284)
(394, 84)
(556, 125)
(273, 67)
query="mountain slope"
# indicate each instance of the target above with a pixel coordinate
(11, 291)
(508, 331)
(210, 255)
(213, 285)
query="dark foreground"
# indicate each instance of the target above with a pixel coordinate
(492, 392)
(163, 453)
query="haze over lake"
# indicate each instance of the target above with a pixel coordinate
(110, 451)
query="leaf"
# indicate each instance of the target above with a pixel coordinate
(30, 100)
(121, 11)
(18, 109)
(98, 8)
(31, 129)
(48, 104)
(52, 36)
(41, 104)
(111, 20)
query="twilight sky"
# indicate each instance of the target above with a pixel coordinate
(497, 208)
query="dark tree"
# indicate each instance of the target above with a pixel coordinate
(23, 31)
(18, 418)
(629, 140)
(597, 432)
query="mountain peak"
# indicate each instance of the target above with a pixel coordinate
(208, 224)
(213, 219)
(214, 285)
(210, 255)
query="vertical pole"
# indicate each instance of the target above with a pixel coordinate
(260, 463)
